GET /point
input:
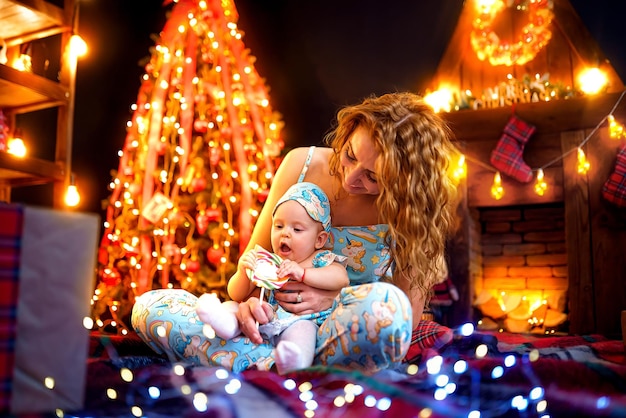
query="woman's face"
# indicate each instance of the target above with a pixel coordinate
(358, 163)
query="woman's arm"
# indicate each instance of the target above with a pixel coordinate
(313, 299)
(416, 297)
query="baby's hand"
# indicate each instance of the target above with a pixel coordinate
(291, 269)
(248, 260)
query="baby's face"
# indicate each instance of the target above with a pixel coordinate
(294, 233)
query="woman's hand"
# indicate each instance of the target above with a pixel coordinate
(252, 313)
(298, 298)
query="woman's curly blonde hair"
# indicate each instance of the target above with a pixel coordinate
(417, 197)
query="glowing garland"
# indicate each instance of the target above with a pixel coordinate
(534, 35)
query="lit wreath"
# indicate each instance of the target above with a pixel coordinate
(535, 35)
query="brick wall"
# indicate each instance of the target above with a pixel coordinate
(524, 268)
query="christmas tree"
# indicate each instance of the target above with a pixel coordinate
(195, 168)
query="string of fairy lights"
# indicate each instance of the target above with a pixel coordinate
(615, 130)
(471, 382)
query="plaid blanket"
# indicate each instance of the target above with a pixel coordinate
(10, 245)
(501, 375)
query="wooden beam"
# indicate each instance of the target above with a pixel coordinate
(582, 314)
(22, 90)
(26, 20)
(608, 236)
(15, 171)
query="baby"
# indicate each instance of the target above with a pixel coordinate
(300, 229)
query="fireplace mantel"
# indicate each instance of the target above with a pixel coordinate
(550, 117)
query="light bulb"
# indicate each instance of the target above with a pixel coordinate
(540, 184)
(461, 170)
(78, 47)
(72, 197)
(592, 81)
(497, 191)
(616, 130)
(23, 63)
(16, 147)
(583, 164)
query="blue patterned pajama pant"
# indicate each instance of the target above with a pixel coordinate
(369, 329)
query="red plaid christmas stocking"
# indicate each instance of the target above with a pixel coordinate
(507, 156)
(614, 189)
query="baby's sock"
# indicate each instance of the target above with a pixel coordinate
(220, 316)
(289, 356)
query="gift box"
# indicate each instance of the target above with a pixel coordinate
(47, 273)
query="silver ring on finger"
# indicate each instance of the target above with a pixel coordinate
(299, 298)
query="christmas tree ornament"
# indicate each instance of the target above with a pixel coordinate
(262, 195)
(200, 125)
(171, 250)
(614, 189)
(193, 266)
(202, 222)
(154, 210)
(161, 148)
(198, 184)
(213, 214)
(111, 277)
(508, 154)
(134, 189)
(214, 255)
(214, 157)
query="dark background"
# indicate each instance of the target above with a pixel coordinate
(315, 56)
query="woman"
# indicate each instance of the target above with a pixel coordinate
(385, 173)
